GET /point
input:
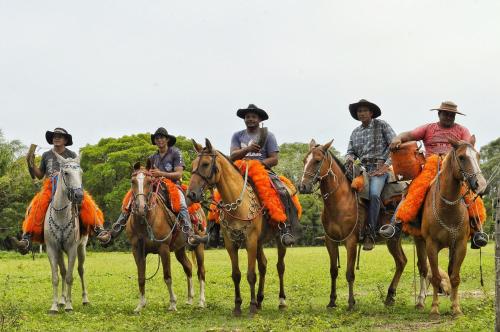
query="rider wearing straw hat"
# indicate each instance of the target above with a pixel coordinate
(435, 138)
(90, 214)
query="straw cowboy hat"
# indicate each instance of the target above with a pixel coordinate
(353, 108)
(252, 109)
(447, 106)
(49, 136)
(163, 132)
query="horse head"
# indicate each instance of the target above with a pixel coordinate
(141, 182)
(205, 171)
(314, 166)
(466, 164)
(71, 175)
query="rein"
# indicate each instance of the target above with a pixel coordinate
(317, 177)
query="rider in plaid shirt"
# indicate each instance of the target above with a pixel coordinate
(370, 144)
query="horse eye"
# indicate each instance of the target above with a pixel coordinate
(204, 164)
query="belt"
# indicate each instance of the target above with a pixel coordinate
(371, 160)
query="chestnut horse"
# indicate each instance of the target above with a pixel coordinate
(153, 228)
(343, 218)
(445, 220)
(241, 219)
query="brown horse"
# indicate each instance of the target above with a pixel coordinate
(241, 219)
(445, 220)
(153, 228)
(343, 217)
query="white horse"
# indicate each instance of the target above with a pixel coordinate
(62, 232)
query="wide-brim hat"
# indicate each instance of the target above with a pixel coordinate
(163, 132)
(49, 136)
(252, 109)
(353, 108)
(448, 106)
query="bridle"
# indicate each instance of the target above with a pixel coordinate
(154, 182)
(71, 191)
(317, 177)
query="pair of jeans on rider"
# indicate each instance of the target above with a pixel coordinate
(376, 186)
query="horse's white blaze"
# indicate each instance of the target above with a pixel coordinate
(140, 182)
(472, 155)
(308, 161)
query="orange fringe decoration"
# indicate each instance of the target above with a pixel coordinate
(173, 194)
(90, 214)
(358, 183)
(126, 201)
(295, 197)
(213, 212)
(194, 207)
(408, 210)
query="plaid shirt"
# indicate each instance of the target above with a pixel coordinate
(362, 142)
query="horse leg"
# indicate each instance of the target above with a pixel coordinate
(349, 274)
(251, 245)
(432, 253)
(82, 253)
(333, 252)
(53, 255)
(200, 260)
(140, 261)
(69, 276)
(281, 273)
(457, 258)
(422, 271)
(188, 270)
(232, 250)
(164, 253)
(62, 271)
(262, 265)
(400, 260)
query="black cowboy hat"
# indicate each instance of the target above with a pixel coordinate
(252, 109)
(163, 132)
(49, 136)
(353, 108)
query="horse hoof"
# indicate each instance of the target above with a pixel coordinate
(189, 302)
(331, 305)
(237, 312)
(61, 304)
(457, 313)
(201, 304)
(53, 312)
(68, 309)
(389, 302)
(253, 309)
(351, 307)
(419, 306)
(172, 307)
(86, 304)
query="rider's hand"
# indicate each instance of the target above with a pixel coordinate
(254, 147)
(381, 170)
(155, 172)
(396, 142)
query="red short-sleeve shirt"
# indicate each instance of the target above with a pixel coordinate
(435, 137)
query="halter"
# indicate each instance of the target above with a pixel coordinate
(318, 177)
(148, 196)
(70, 190)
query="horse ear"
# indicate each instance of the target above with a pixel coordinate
(327, 146)
(453, 142)
(208, 145)
(312, 144)
(148, 164)
(196, 145)
(137, 165)
(472, 140)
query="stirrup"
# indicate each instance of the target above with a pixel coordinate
(387, 229)
(480, 234)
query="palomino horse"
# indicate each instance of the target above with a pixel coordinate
(241, 221)
(153, 228)
(342, 217)
(445, 220)
(62, 232)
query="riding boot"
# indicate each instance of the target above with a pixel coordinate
(372, 221)
(213, 231)
(102, 235)
(286, 236)
(193, 239)
(23, 245)
(479, 240)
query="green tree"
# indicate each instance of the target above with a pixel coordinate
(490, 159)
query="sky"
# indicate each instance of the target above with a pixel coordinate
(104, 68)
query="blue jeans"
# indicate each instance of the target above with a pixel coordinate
(376, 186)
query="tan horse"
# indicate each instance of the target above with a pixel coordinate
(153, 228)
(242, 221)
(343, 218)
(445, 220)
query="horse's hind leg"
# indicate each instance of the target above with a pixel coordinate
(400, 260)
(262, 265)
(82, 252)
(53, 255)
(281, 273)
(200, 260)
(188, 270)
(456, 261)
(62, 270)
(423, 270)
(349, 274)
(333, 252)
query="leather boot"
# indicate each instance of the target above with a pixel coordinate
(372, 221)
(23, 245)
(193, 239)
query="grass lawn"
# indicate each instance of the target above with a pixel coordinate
(26, 291)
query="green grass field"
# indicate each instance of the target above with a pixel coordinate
(25, 295)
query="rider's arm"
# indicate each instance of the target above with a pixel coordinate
(38, 172)
(350, 155)
(237, 154)
(271, 161)
(176, 175)
(401, 138)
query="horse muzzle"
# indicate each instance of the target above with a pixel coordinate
(76, 195)
(193, 196)
(305, 188)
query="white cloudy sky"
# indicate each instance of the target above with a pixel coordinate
(109, 68)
